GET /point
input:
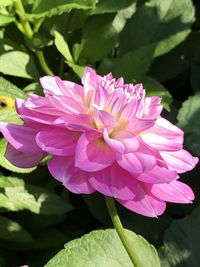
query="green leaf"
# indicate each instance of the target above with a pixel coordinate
(10, 116)
(6, 2)
(104, 248)
(6, 164)
(34, 88)
(63, 48)
(96, 45)
(111, 6)
(192, 141)
(16, 62)
(179, 60)
(131, 66)
(188, 115)
(4, 20)
(181, 242)
(154, 88)
(9, 89)
(166, 24)
(38, 200)
(11, 230)
(43, 9)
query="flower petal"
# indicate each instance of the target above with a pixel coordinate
(163, 136)
(20, 137)
(67, 104)
(180, 161)
(75, 180)
(23, 160)
(174, 191)
(157, 175)
(58, 141)
(114, 181)
(149, 108)
(92, 153)
(30, 116)
(145, 203)
(137, 162)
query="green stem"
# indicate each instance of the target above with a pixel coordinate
(22, 16)
(43, 63)
(28, 32)
(121, 233)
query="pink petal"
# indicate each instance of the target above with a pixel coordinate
(23, 160)
(42, 105)
(137, 162)
(114, 181)
(145, 203)
(20, 137)
(92, 153)
(180, 161)
(174, 191)
(89, 80)
(67, 105)
(50, 86)
(76, 122)
(149, 108)
(163, 136)
(28, 115)
(157, 175)
(58, 141)
(75, 180)
(103, 119)
(137, 126)
(130, 142)
(116, 145)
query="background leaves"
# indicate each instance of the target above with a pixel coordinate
(154, 42)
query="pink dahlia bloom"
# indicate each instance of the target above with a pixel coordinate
(103, 136)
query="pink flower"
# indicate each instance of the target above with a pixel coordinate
(104, 136)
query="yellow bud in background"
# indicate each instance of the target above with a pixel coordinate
(7, 103)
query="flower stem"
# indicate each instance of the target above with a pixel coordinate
(121, 233)
(25, 27)
(43, 63)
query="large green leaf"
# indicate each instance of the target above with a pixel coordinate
(16, 62)
(9, 116)
(6, 164)
(188, 116)
(132, 65)
(96, 44)
(11, 230)
(6, 3)
(104, 248)
(38, 200)
(163, 24)
(9, 89)
(154, 88)
(63, 48)
(49, 8)
(179, 60)
(4, 20)
(181, 242)
(188, 119)
(111, 6)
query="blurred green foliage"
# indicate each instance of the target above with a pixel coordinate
(155, 42)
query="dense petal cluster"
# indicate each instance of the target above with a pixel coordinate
(103, 136)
